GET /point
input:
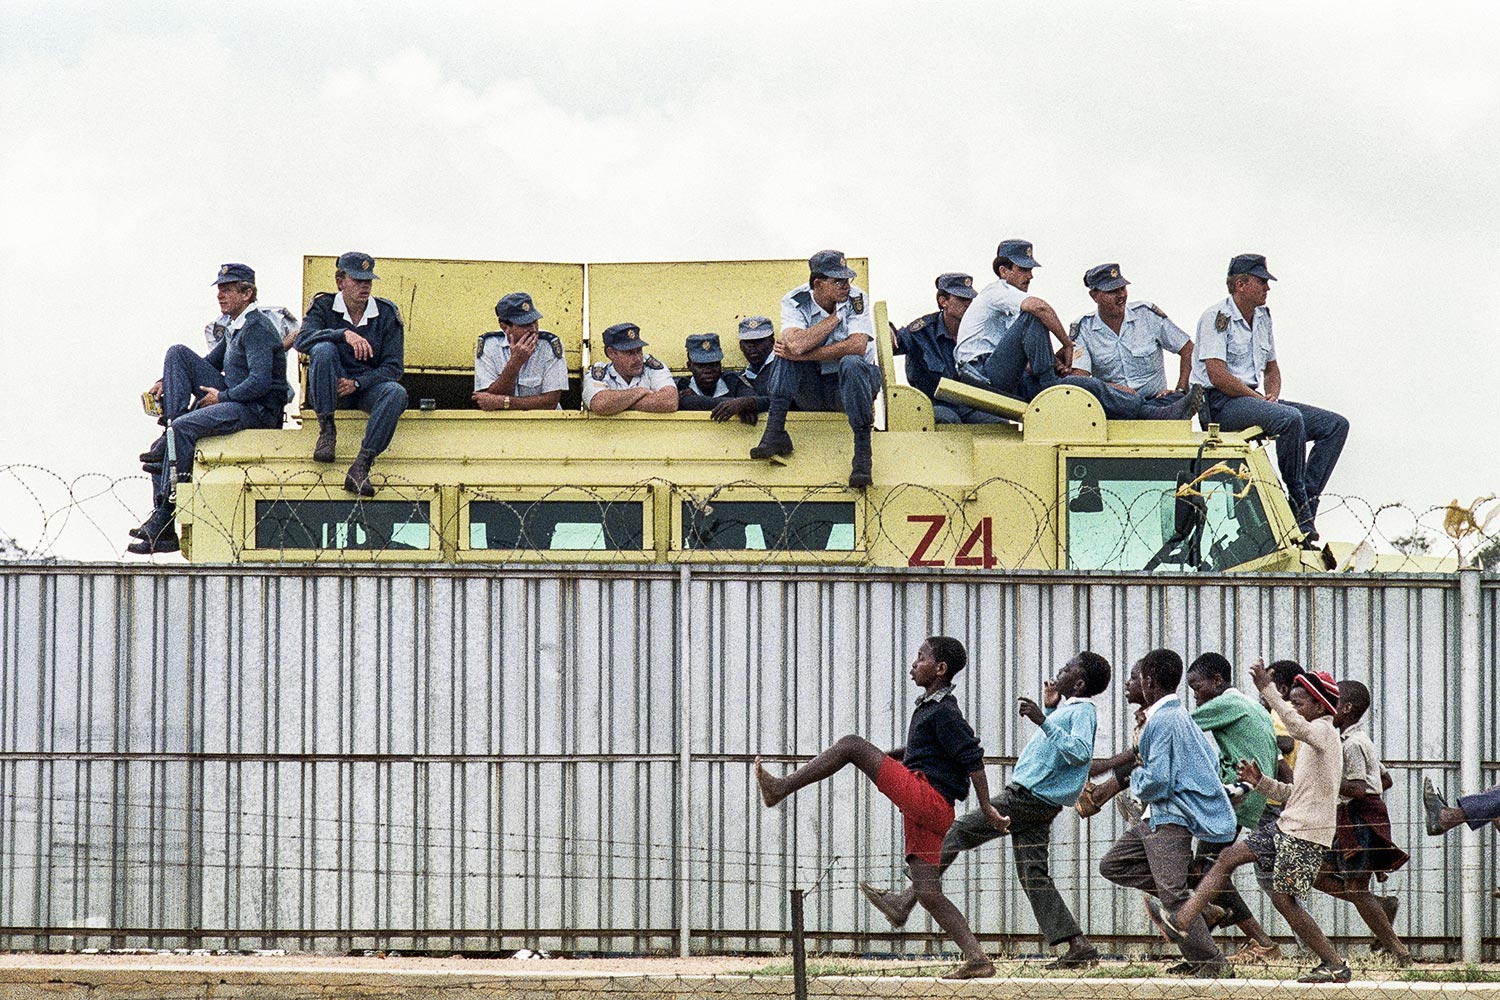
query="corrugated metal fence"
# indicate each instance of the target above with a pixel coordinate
(338, 759)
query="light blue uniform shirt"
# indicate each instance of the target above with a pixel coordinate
(1131, 357)
(995, 307)
(1055, 762)
(1245, 347)
(1178, 779)
(800, 310)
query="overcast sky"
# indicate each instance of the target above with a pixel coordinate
(1356, 144)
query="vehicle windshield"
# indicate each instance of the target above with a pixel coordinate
(1125, 514)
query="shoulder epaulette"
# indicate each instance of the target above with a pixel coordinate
(1221, 321)
(597, 372)
(651, 362)
(1149, 305)
(479, 344)
(325, 297)
(388, 304)
(553, 339)
(802, 296)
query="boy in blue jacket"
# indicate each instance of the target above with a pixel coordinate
(1177, 777)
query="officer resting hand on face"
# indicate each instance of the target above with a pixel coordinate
(1120, 344)
(709, 387)
(1235, 361)
(630, 380)
(519, 367)
(356, 349)
(825, 361)
(928, 344)
(241, 383)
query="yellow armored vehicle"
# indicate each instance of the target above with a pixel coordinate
(1056, 487)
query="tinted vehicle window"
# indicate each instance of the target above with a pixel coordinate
(769, 525)
(342, 524)
(1124, 514)
(556, 524)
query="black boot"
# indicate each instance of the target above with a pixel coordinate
(775, 440)
(859, 470)
(158, 534)
(358, 479)
(157, 453)
(327, 437)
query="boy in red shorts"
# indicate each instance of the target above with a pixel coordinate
(942, 757)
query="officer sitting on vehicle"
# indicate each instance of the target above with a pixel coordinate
(1121, 346)
(710, 387)
(241, 383)
(825, 360)
(355, 344)
(631, 379)
(928, 344)
(757, 340)
(519, 367)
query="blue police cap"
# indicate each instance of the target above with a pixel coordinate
(623, 337)
(517, 307)
(703, 348)
(1104, 278)
(359, 266)
(234, 272)
(756, 328)
(956, 283)
(829, 264)
(1250, 263)
(1018, 252)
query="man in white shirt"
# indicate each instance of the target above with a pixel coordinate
(519, 367)
(826, 360)
(1235, 362)
(631, 379)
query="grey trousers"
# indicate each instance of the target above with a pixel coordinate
(1030, 836)
(1158, 861)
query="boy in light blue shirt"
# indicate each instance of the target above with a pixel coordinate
(1049, 775)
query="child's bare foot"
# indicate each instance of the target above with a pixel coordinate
(770, 793)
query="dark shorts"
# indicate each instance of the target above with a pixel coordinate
(1284, 863)
(926, 813)
(1359, 863)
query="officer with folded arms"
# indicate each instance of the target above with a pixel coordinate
(356, 348)
(519, 366)
(825, 360)
(631, 379)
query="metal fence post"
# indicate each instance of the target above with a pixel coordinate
(684, 758)
(799, 948)
(1470, 726)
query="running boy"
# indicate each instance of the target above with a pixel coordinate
(1289, 853)
(941, 759)
(1048, 776)
(1362, 842)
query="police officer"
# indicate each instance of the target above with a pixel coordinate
(355, 344)
(757, 343)
(631, 379)
(519, 367)
(825, 360)
(1121, 344)
(1002, 339)
(709, 387)
(1235, 361)
(241, 383)
(928, 344)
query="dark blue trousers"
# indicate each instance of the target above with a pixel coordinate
(1293, 425)
(183, 371)
(852, 389)
(1022, 366)
(384, 402)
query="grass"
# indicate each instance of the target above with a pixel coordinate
(1462, 974)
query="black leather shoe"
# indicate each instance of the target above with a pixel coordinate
(327, 439)
(164, 542)
(358, 479)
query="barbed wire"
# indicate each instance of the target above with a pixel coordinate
(1121, 526)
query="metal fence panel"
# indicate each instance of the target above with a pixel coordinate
(453, 759)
